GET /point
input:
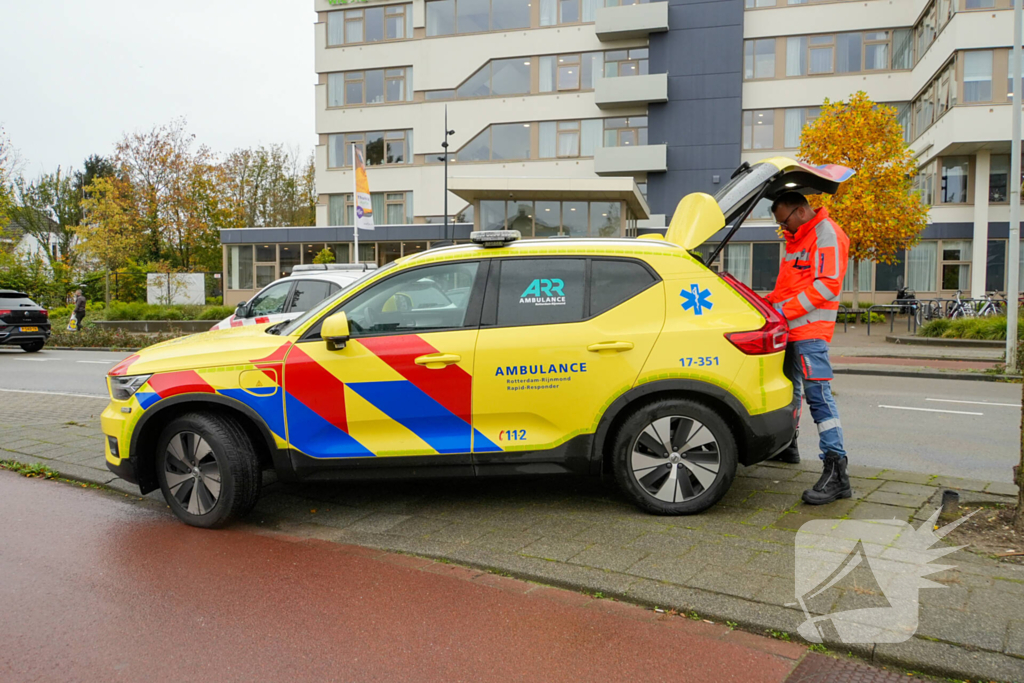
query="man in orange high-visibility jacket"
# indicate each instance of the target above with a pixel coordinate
(807, 294)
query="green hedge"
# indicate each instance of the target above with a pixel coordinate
(92, 336)
(135, 310)
(992, 328)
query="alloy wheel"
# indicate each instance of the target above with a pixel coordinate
(192, 473)
(675, 459)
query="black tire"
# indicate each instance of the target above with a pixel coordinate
(644, 486)
(32, 347)
(230, 456)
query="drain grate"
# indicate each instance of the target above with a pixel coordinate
(821, 669)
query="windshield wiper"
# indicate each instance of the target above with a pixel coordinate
(276, 328)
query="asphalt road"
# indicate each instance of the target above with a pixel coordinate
(948, 427)
(97, 588)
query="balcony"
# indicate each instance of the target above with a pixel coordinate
(631, 21)
(629, 91)
(631, 160)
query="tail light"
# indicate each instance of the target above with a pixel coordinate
(4, 312)
(772, 336)
(46, 313)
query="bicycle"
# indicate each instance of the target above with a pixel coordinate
(959, 309)
(991, 306)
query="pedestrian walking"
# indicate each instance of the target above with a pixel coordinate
(79, 309)
(807, 294)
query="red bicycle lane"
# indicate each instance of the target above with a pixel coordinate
(96, 587)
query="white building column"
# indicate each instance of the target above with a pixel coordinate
(979, 249)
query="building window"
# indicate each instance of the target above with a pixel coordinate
(387, 148)
(378, 86)
(751, 4)
(902, 49)
(998, 178)
(446, 17)
(1009, 78)
(796, 120)
(618, 63)
(570, 139)
(822, 50)
(371, 25)
(554, 12)
(765, 266)
(266, 264)
(625, 132)
(924, 32)
(863, 282)
(497, 78)
(954, 180)
(956, 265)
(922, 266)
(498, 142)
(759, 58)
(796, 56)
(239, 267)
(550, 218)
(569, 72)
(995, 267)
(389, 208)
(759, 129)
(888, 277)
(980, 4)
(978, 76)
(876, 51)
(737, 262)
(290, 256)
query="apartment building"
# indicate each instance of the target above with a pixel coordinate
(594, 117)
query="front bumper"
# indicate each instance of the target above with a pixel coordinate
(117, 426)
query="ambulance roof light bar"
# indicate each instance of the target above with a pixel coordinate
(494, 238)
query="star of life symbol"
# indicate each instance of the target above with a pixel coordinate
(698, 299)
(894, 553)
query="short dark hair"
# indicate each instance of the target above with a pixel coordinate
(791, 199)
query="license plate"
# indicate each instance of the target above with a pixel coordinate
(30, 329)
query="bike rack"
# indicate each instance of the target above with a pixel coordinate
(845, 312)
(894, 309)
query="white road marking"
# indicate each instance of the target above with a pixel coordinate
(930, 410)
(55, 393)
(100, 362)
(37, 360)
(977, 403)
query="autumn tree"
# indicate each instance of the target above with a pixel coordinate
(273, 185)
(876, 208)
(49, 210)
(6, 172)
(110, 232)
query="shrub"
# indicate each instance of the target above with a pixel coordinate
(215, 313)
(92, 336)
(214, 301)
(990, 328)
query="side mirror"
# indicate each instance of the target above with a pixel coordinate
(335, 331)
(242, 310)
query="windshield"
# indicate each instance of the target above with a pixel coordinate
(295, 324)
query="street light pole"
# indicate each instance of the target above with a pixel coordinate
(444, 158)
(1013, 255)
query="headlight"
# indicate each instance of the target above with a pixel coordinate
(122, 388)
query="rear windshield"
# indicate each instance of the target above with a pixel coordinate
(742, 188)
(15, 300)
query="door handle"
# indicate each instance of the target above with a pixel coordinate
(606, 348)
(437, 361)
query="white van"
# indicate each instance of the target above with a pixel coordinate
(286, 298)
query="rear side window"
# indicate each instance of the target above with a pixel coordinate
(613, 282)
(308, 293)
(541, 291)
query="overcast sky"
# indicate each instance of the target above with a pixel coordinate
(76, 75)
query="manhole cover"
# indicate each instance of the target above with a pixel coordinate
(821, 669)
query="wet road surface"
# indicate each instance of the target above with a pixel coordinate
(97, 587)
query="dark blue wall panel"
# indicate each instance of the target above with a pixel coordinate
(702, 53)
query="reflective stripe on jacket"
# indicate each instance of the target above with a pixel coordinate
(811, 278)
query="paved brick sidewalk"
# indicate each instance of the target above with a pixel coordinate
(734, 562)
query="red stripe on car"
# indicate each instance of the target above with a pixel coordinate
(169, 384)
(122, 367)
(318, 389)
(451, 386)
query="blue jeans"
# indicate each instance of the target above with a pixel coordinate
(807, 366)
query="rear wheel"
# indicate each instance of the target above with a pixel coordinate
(208, 471)
(675, 457)
(32, 347)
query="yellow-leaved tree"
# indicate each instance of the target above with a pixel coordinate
(876, 208)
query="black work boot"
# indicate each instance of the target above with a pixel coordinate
(790, 454)
(833, 484)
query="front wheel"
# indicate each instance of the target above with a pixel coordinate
(208, 471)
(675, 457)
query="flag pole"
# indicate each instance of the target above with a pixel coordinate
(355, 205)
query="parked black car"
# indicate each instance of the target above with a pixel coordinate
(22, 322)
